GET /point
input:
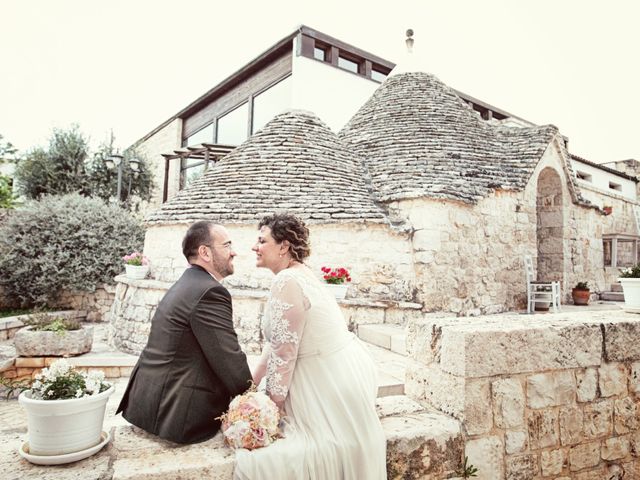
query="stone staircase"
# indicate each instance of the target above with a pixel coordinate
(387, 344)
(614, 295)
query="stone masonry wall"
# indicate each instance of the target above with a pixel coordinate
(380, 260)
(541, 396)
(96, 303)
(166, 140)
(136, 301)
(621, 220)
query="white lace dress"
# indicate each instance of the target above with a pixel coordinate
(325, 380)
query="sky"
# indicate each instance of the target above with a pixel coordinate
(128, 65)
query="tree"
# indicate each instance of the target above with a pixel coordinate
(136, 186)
(58, 170)
(7, 155)
(67, 167)
(7, 151)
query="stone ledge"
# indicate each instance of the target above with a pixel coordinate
(420, 444)
(511, 343)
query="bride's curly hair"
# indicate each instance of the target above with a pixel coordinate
(286, 226)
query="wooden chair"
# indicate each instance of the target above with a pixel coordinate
(540, 291)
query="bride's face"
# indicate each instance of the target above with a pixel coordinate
(267, 250)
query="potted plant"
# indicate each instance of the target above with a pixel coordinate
(630, 281)
(136, 265)
(336, 278)
(581, 293)
(65, 412)
(47, 334)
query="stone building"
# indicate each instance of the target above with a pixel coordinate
(432, 206)
(425, 202)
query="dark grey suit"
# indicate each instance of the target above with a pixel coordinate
(192, 365)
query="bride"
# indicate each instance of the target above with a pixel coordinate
(318, 373)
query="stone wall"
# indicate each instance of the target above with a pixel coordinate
(96, 303)
(165, 140)
(136, 301)
(621, 221)
(379, 259)
(546, 396)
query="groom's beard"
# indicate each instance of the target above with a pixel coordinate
(224, 266)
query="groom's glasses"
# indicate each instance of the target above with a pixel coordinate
(223, 245)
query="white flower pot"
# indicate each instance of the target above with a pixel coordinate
(631, 289)
(338, 291)
(137, 271)
(58, 427)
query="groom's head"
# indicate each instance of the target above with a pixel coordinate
(208, 245)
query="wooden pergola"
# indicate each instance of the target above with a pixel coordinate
(205, 153)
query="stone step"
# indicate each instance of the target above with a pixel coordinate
(616, 287)
(411, 431)
(391, 337)
(612, 296)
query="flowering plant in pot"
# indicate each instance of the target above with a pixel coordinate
(136, 265)
(581, 293)
(336, 278)
(630, 281)
(65, 412)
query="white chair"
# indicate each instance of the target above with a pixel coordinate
(540, 291)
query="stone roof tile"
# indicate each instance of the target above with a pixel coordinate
(295, 163)
(418, 138)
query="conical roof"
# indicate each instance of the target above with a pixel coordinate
(295, 163)
(419, 139)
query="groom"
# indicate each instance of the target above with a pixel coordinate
(192, 365)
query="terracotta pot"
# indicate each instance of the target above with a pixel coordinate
(580, 297)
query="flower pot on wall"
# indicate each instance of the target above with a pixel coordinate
(137, 271)
(60, 427)
(631, 289)
(338, 291)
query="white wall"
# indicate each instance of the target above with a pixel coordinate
(333, 94)
(600, 180)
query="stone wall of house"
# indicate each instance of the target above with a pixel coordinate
(621, 220)
(539, 397)
(136, 301)
(165, 140)
(379, 259)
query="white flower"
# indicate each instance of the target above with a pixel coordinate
(79, 393)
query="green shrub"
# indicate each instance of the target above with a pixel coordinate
(61, 243)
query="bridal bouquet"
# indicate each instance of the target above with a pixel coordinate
(251, 421)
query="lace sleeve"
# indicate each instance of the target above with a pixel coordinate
(287, 314)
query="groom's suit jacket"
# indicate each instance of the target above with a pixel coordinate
(192, 365)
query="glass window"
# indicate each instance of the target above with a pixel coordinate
(190, 169)
(232, 127)
(625, 254)
(271, 102)
(378, 76)
(204, 135)
(319, 54)
(347, 64)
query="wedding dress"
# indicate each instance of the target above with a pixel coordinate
(325, 380)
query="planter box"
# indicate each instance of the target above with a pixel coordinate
(30, 343)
